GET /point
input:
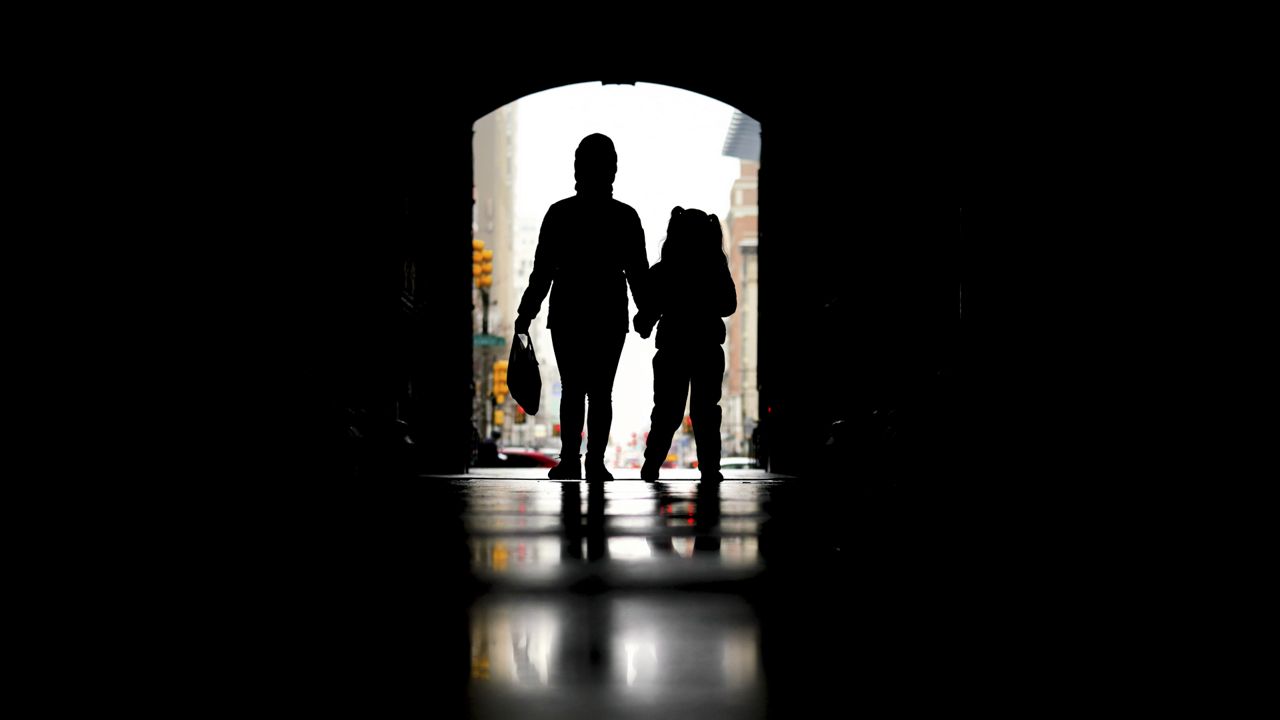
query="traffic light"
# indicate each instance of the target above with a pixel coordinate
(499, 417)
(499, 380)
(520, 415)
(481, 264)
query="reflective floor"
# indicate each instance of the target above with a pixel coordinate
(514, 596)
(610, 599)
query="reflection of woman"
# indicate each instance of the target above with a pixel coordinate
(571, 520)
(589, 249)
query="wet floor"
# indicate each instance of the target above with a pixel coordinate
(512, 596)
(755, 597)
(616, 599)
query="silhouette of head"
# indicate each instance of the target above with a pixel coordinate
(596, 162)
(693, 237)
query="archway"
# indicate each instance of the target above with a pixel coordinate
(675, 147)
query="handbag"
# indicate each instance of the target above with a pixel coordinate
(524, 380)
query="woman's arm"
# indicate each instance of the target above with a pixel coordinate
(655, 301)
(545, 262)
(635, 261)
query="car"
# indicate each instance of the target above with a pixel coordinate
(515, 458)
(738, 463)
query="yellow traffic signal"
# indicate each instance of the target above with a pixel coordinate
(499, 417)
(500, 380)
(481, 264)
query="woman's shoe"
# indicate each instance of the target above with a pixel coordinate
(596, 469)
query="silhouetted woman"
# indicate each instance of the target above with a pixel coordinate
(690, 290)
(590, 247)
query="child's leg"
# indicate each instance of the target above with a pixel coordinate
(670, 390)
(704, 407)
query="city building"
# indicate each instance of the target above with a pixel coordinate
(742, 397)
(493, 222)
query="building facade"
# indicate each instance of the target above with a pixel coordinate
(742, 240)
(493, 222)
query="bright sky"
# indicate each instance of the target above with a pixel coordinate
(669, 144)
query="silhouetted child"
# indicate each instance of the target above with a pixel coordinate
(690, 290)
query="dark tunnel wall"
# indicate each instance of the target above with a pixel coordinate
(314, 183)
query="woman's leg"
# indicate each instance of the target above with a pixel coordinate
(605, 352)
(573, 391)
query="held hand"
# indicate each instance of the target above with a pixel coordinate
(522, 325)
(641, 326)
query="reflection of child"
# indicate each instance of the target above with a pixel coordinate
(690, 290)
